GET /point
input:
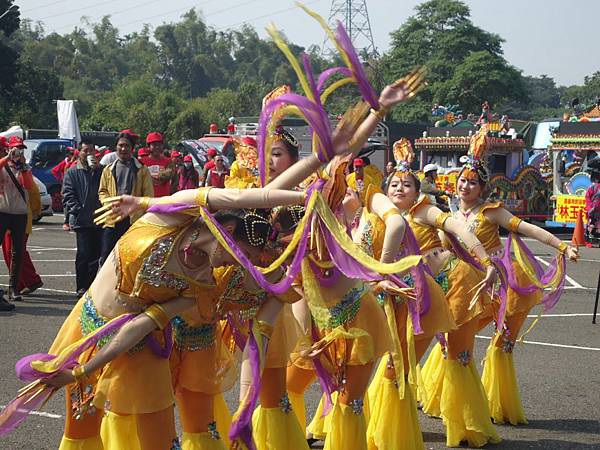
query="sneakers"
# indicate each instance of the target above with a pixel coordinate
(4, 304)
(32, 289)
(13, 297)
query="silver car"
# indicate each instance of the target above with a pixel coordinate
(46, 201)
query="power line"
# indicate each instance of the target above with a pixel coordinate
(119, 11)
(45, 6)
(252, 19)
(186, 7)
(63, 13)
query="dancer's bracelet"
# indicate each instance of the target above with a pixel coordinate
(78, 372)
(144, 203)
(562, 247)
(158, 316)
(380, 113)
(487, 262)
(265, 328)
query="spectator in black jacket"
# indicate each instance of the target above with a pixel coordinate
(80, 197)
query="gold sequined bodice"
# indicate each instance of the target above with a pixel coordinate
(427, 235)
(486, 231)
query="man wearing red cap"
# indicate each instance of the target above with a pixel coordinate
(15, 181)
(160, 167)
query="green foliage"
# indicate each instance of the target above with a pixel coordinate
(185, 75)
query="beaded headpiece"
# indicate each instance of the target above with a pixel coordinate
(257, 229)
(404, 156)
(474, 165)
(281, 134)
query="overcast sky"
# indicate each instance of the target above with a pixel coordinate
(553, 37)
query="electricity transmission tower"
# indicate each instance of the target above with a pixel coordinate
(355, 17)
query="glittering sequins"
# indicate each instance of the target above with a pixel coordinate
(90, 320)
(235, 292)
(345, 310)
(464, 358)
(175, 445)
(357, 406)
(285, 404)
(366, 238)
(153, 272)
(193, 338)
(442, 279)
(212, 431)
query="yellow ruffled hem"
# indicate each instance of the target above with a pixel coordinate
(93, 443)
(432, 376)
(394, 423)
(201, 441)
(464, 407)
(320, 424)
(119, 432)
(348, 430)
(273, 429)
(299, 408)
(500, 384)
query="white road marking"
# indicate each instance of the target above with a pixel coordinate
(533, 316)
(574, 283)
(52, 260)
(568, 288)
(50, 276)
(588, 260)
(42, 414)
(48, 289)
(49, 249)
(548, 344)
(38, 229)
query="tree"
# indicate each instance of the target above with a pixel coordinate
(8, 25)
(442, 37)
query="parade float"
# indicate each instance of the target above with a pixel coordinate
(575, 141)
(523, 188)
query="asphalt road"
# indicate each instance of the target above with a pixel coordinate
(558, 369)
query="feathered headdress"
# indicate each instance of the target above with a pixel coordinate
(404, 155)
(474, 162)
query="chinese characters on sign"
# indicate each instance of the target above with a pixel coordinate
(447, 182)
(568, 207)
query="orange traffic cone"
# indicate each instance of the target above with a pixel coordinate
(578, 235)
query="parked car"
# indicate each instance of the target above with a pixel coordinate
(222, 142)
(42, 155)
(46, 201)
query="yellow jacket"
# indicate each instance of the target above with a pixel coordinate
(35, 205)
(142, 186)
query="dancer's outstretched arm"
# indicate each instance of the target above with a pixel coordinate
(505, 219)
(126, 338)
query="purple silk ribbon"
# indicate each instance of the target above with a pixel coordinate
(19, 408)
(241, 428)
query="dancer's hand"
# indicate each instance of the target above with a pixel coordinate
(341, 139)
(572, 253)
(59, 380)
(403, 88)
(490, 278)
(115, 209)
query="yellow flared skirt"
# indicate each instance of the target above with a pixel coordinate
(393, 422)
(501, 387)
(348, 430)
(274, 429)
(464, 407)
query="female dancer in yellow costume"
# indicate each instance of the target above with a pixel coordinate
(460, 399)
(162, 267)
(484, 219)
(273, 426)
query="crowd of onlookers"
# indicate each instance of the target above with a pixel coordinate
(88, 175)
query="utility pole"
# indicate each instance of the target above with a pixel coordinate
(355, 17)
